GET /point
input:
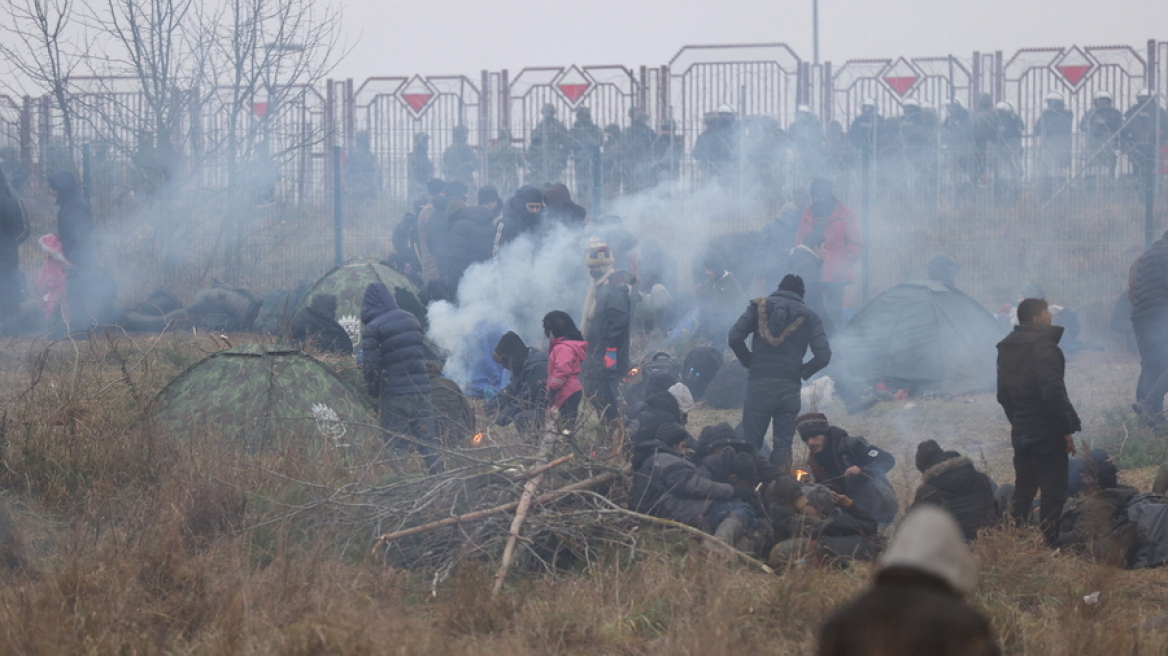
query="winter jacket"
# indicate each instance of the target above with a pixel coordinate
(392, 353)
(659, 408)
(523, 400)
(783, 328)
(842, 232)
(809, 266)
(1088, 519)
(13, 228)
(955, 485)
(665, 484)
(608, 332)
(560, 208)
(75, 228)
(1031, 388)
(317, 325)
(472, 234)
(433, 241)
(223, 307)
(1147, 282)
(565, 357)
(721, 438)
(870, 489)
(516, 220)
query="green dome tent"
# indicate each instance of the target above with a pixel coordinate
(348, 283)
(922, 336)
(258, 394)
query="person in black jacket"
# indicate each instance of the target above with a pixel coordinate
(560, 208)
(660, 407)
(606, 327)
(525, 397)
(522, 215)
(1147, 288)
(783, 328)
(394, 363)
(317, 325)
(1034, 397)
(472, 234)
(849, 465)
(949, 480)
(75, 230)
(13, 232)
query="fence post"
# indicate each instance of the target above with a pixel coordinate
(866, 210)
(338, 232)
(26, 140)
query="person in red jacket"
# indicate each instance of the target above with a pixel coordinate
(842, 244)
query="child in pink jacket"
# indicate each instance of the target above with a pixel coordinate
(565, 354)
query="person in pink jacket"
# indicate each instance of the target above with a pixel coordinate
(841, 231)
(566, 352)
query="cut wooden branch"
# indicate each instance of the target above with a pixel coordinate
(542, 469)
(545, 449)
(586, 484)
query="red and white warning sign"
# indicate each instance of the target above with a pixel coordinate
(574, 85)
(901, 77)
(417, 94)
(1074, 66)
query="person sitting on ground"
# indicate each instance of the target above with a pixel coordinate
(666, 484)
(523, 400)
(915, 604)
(949, 480)
(566, 352)
(829, 527)
(225, 308)
(720, 441)
(659, 407)
(1090, 518)
(316, 325)
(1081, 470)
(849, 465)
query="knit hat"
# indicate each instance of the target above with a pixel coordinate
(672, 434)
(792, 283)
(510, 347)
(811, 424)
(820, 498)
(598, 254)
(929, 453)
(930, 541)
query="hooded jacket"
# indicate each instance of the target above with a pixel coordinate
(665, 484)
(843, 245)
(1031, 388)
(565, 357)
(392, 354)
(782, 328)
(560, 208)
(522, 401)
(951, 482)
(317, 325)
(1147, 282)
(472, 234)
(516, 220)
(659, 408)
(608, 330)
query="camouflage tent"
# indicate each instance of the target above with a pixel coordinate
(348, 283)
(259, 394)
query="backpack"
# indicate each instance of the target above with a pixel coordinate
(728, 389)
(657, 362)
(699, 368)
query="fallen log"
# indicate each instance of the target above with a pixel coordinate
(585, 484)
(545, 448)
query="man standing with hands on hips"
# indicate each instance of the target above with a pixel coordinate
(1033, 394)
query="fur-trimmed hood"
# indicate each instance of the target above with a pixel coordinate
(956, 461)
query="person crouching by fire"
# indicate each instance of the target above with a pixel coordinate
(849, 466)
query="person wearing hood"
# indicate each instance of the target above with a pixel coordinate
(394, 365)
(472, 233)
(666, 484)
(843, 244)
(719, 449)
(13, 232)
(523, 400)
(849, 465)
(317, 325)
(560, 208)
(522, 215)
(606, 327)
(566, 352)
(658, 408)
(781, 329)
(1033, 394)
(915, 604)
(950, 481)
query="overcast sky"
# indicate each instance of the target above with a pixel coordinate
(398, 37)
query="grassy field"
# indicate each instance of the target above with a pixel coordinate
(136, 542)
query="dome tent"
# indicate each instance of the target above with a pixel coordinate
(348, 282)
(258, 394)
(922, 336)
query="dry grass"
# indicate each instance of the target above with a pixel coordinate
(137, 543)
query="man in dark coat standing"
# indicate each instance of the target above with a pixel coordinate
(393, 360)
(317, 325)
(472, 234)
(949, 480)
(606, 327)
(783, 328)
(1042, 420)
(1147, 288)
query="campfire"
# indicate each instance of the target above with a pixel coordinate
(802, 476)
(477, 439)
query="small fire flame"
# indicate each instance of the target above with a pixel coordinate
(633, 373)
(801, 475)
(478, 439)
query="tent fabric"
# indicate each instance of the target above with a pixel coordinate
(257, 394)
(924, 336)
(348, 283)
